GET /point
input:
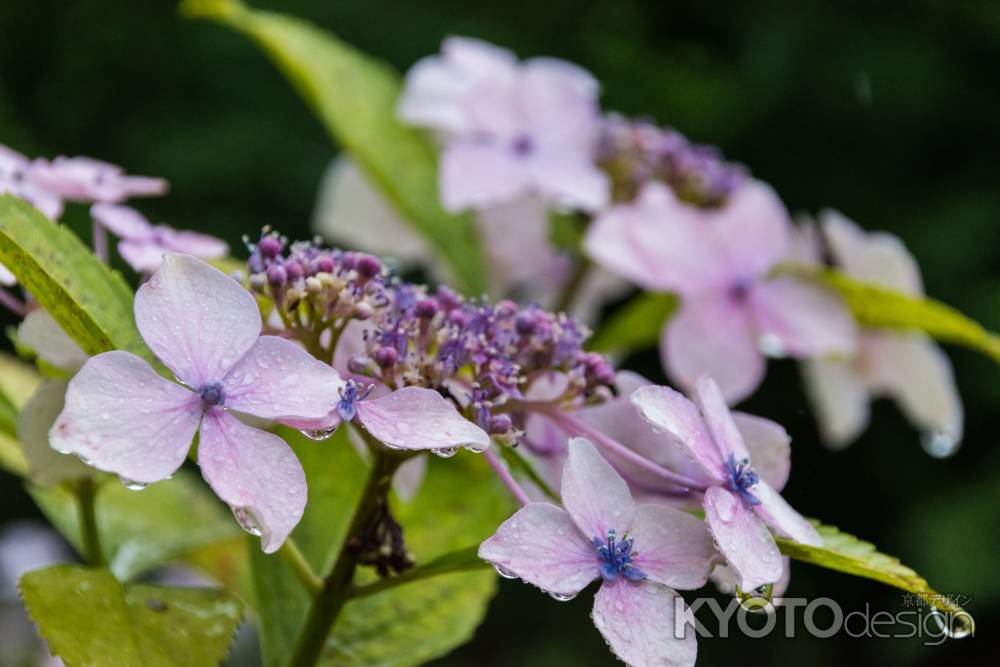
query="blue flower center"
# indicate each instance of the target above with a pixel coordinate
(739, 291)
(350, 394)
(212, 394)
(523, 145)
(616, 558)
(742, 479)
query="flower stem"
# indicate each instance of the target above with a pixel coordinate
(571, 289)
(86, 491)
(335, 589)
(12, 303)
(294, 558)
(500, 468)
(99, 239)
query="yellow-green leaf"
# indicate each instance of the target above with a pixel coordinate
(636, 325)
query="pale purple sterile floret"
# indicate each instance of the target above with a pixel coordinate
(122, 417)
(739, 503)
(85, 179)
(640, 554)
(509, 128)
(18, 178)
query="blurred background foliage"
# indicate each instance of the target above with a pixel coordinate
(884, 110)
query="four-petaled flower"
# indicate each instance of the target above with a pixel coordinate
(143, 245)
(508, 128)
(641, 553)
(85, 179)
(718, 260)
(739, 502)
(124, 418)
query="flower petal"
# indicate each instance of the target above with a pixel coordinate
(713, 337)
(144, 256)
(839, 400)
(256, 473)
(728, 439)
(879, 258)
(193, 243)
(671, 412)
(570, 178)
(742, 538)
(124, 418)
(778, 514)
(50, 343)
(542, 546)
(638, 619)
(123, 221)
(197, 320)
(594, 494)
(477, 175)
(418, 418)
(277, 379)
(752, 230)
(36, 418)
(675, 548)
(769, 446)
(802, 320)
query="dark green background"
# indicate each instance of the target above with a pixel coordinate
(885, 110)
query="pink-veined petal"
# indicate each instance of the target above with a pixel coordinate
(254, 472)
(123, 221)
(878, 258)
(124, 418)
(802, 320)
(477, 175)
(778, 514)
(671, 412)
(719, 420)
(197, 320)
(193, 243)
(713, 337)
(418, 418)
(675, 548)
(542, 546)
(769, 446)
(752, 230)
(594, 494)
(278, 380)
(743, 539)
(638, 619)
(839, 399)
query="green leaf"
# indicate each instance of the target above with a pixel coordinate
(88, 618)
(636, 325)
(846, 553)
(18, 381)
(878, 307)
(92, 303)
(355, 96)
(142, 529)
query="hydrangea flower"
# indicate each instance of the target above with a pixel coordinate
(19, 178)
(85, 179)
(739, 504)
(640, 554)
(903, 365)
(508, 128)
(143, 245)
(124, 418)
(718, 260)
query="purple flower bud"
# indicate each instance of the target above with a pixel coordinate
(386, 357)
(269, 246)
(500, 424)
(448, 299)
(368, 267)
(525, 323)
(323, 264)
(295, 270)
(458, 318)
(276, 276)
(363, 310)
(425, 309)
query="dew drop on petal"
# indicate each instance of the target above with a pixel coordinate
(939, 445)
(445, 452)
(319, 434)
(562, 597)
(771, 346)
(246, 521)
(132, 485)
(504, 572)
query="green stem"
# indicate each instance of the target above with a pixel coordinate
(572, 287)
(463, 560)
(90, 539)
(293, 556)
(328, 603)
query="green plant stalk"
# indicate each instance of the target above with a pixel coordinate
(90, 539)
(336, 586)
(294, 558)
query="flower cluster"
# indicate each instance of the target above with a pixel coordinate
(636, 152)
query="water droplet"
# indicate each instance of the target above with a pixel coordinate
(445, 452)
(319, 434)
(246, 521)
(957, 625)
(504, 572)
(85, 460)
(771, 345)
(560, 597)
(132, 485)
(757, 601)
(938, 444)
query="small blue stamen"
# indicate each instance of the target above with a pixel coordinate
(350, 394)
(616, 558)
(742, 479)
(212, 394)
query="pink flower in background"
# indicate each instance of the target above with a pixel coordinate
(85, 179)
(640, 553)
(740, 504)
(903, 365)
(143, 245)
(718, 260)
(508, 128)
(18, 178)
(122, 417)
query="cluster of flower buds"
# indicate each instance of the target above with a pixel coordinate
(485, 357)
(315, 289)
(634, 152)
